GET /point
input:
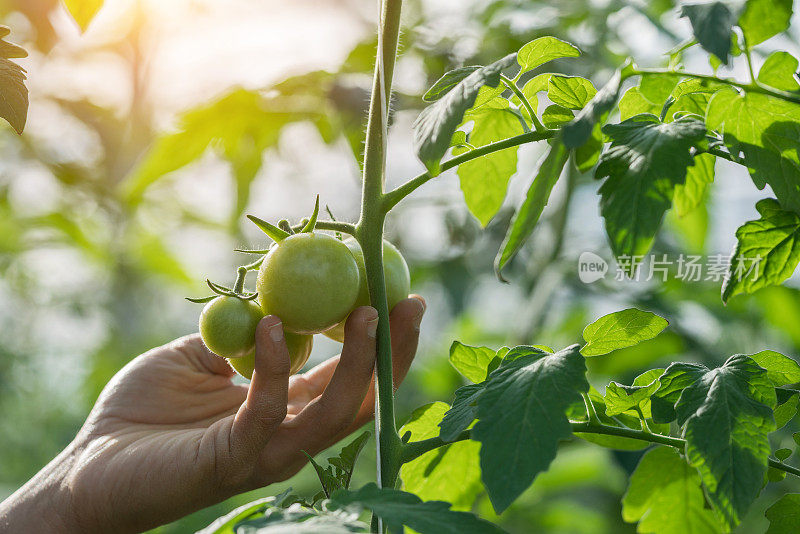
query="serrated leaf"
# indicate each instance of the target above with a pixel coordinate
(462, 413)
(544, 49)
(690, 194)
(646, 160)
(484, 180)
(765, 130)
(434, 127)
(767, 250)
(780, 71)
(781, 370)
(677, 377)
(571, 92)
(727, 416)
(578, 132)
(83, 11)
(448, 473)
(577, 412)
(665, 497)
(712, 25)
(449, 80)
(398, 508)
(762, 19)
(621, 329)
(13, 93)
(529, 394)
(633, 103)
(527, 217)
(784, 515)
(475, 363)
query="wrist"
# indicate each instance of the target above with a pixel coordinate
(43, 503)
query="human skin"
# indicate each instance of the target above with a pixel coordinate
(171, 433)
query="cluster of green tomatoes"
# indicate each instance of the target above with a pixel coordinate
(310, 280)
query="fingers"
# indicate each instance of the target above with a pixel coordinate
(326, 417)
(265, 407)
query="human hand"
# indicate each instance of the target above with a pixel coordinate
(171, 433)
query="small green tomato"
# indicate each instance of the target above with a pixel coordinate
(228, 326)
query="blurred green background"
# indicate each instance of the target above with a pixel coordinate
(150, 136)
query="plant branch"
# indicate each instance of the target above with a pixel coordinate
(392, 198)
(511, 84)
(753, 87)
(416, 449)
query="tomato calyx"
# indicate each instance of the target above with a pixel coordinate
(237, 291)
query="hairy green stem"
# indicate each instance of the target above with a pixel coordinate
(511, 84)
(753, 87)
(393, 197)
(416, 449)
(333, 226)
(369, 232)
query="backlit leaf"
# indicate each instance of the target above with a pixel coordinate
(621, 329)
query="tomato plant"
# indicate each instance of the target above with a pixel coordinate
(710, 435)
(228, 326)
(298, 345)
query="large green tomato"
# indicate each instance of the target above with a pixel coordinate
(228, 326)
(310, 281)
(299, 346)
(395, 272)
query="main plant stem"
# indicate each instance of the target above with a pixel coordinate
(369, 233)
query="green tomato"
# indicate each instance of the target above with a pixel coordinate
(299, 346)
(310, 281)
(228, 326)
(395, 272)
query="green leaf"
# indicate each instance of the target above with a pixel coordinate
(13, 93)
(338, 473)
(398, 508)
(434, 127)
(767, 251)
(484, 180)
(475, 363)
(712, 27)
(447, 82)
(785, 410)
(83, 11)
(675, 379)
(571, 92)
(555, 116)
(784, 515)
(527, 217)
(544, 49)
(727, 415)
(665, 496)
(531, 92)
(577, 132)
(690, 194)
(529, 394)
(462, 413)
(620, 398)
(633, 102)
(577, 412)
(781, 370)
(236, 125)
(448, 473)
(779, 71)
(645, 162)
(765, 130)
(762, 19)
(621, 329)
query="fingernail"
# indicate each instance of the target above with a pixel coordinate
(372, 328)
(418, 318)
(276, 332)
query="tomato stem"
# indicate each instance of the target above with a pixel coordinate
(238, 286)
(369, 233)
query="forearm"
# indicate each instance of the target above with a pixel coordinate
(43, 503)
